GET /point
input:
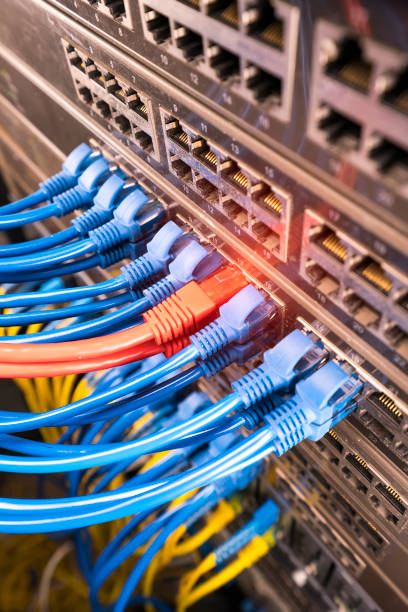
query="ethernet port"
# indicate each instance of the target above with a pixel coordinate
(403, 302)
(225, 10)
(207, 189)
(119, 91)
(338, 129)
(181, 170)
(361, 311)
(391, 160)
(103, 109)
(143, 140)
(267, 199)
(85, 94)
(224, 63)
(265, 87)
(261, 21)
(395, 89)
(190, 43)
(322, 280)
(116, 8)
(202, 151)
(373, 273)
(266, 236)
(398, 338)
(193, 3)
(176, 133)
(328, 241)
(94, 73)
(231, 172)
(75, 59)
(345, 61)
(111, 84)
(235, 212)
(158, 25)
(136, 104)
(123, 124)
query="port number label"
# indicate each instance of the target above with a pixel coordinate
(194, 78)
(164, 59)
(226, 98)
(204, 127)
(264, 122)
(269, 172)
(235, 148)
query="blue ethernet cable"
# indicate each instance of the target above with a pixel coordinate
(276, 374)
(160, 250)
(99, 213)
(79, 196)
(75, 163)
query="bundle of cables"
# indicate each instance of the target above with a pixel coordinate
(111, 378)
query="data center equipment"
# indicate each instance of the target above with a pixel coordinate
(238, 202)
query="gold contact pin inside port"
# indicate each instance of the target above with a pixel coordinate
(273, 202)
(230, 14)
(375, 275)
(211, 157)
(143, 109)
(361, 461)
(333, 434)
(273, 34)
(357, 73)
(240, 178)
(390, 404)
(393, 493)
(332, 244)
(183, 138)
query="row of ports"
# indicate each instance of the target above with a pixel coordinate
(356, 473)
(220, 63)
(116, 9)
(260, 20)
(113, 86)
(117, 120)
(387, 330)
(235, 212)
(382, 154)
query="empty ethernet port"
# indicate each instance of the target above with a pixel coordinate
(202, 151)
(75, 59)
(207, 189)
(181, 170)
(116, 9)
(397, 337)
(345, 61)
(360, 310)
(142, 139)
(190, 43)
(136, 104)
(234, 211)
(85, 94)
(158, 25)
(261, 21)
(394, 89)
(373, 273)
(103, 109)
(264, 86)
(266, 236)
(231, 172)
(390, 159)
(94, 72)
(123, 124)
(267, 199)
(176, 133)
(328, 241)
(339, 130)
(225, 10)
(319, 278)
(224, 63)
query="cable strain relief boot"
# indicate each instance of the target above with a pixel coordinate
(215, 365)
(71, 200)
(287, 423)
(90, 220)
(160, 291)
(106, 237)
(138, 272)
(255, 415)
(113, 256)
(58, 183)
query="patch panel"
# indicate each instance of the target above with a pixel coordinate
(372, 292)
(123, 110)
(260, 208)
(357, 86)
(260, 71)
